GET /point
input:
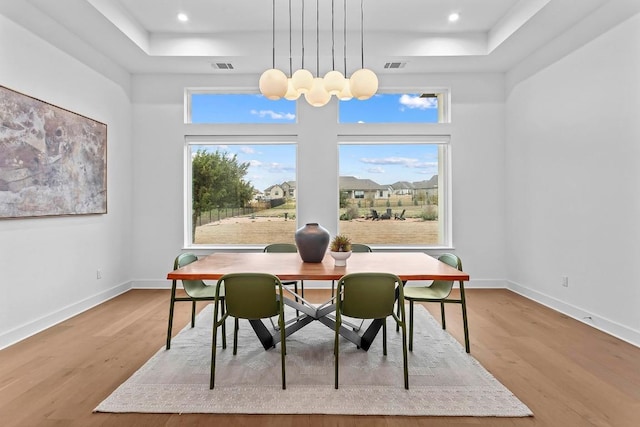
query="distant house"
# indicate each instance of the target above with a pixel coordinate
(402, 188)
(274, 192)
(428, 187)
(289, 188)
(363, 188)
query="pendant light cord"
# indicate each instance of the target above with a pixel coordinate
(345, 37)
(273, 33)
(317, 40)
(290, 57)
(333, 39)
(362, 30)
(302, 35)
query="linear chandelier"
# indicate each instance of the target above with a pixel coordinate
(275, 84)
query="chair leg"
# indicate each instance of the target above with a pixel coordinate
(384, 337)
(235, 336)
(405, 359)
(336, 351)
(444, 320)
(193, 313)
(283, 353)
(212, 378)
(224, 327)
(410, 325)
(171, 307)
(464, 319)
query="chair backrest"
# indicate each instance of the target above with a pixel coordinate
(445, 286)
(190, 286)
(368, 295)
(359, 247)
(281, 247)
(252, 295)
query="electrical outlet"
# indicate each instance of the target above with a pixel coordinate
(98, 274)
(565, 281)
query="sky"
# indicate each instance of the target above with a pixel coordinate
(271, 164)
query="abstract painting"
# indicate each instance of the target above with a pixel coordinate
(52, 161)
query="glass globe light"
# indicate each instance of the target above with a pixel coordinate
(363, 84)
(345, 93)
(291, 94)
(302, 80)
(273, 84)
(317, 96)
(333, 82)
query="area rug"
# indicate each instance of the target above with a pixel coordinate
(443, 379)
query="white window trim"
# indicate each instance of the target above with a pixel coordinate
(444, 170)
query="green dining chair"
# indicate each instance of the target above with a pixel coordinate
(371, 296)
(439, 291)
(355, 247)
(196, 290)
(250, 296)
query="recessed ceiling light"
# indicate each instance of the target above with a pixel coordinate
(182, 17)
(454, 17)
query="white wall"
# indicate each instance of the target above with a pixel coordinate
(573, 180)
(49, 265)
(477, 146)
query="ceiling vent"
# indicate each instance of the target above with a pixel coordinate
(222, 65)
(393, 65)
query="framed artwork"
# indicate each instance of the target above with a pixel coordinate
(52, 161)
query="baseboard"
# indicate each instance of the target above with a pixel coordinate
(25, 331)
(601, 323)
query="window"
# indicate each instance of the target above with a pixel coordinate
(238, 108)
(242, 187)
(393, 193)
(237, 192)
(396, 108)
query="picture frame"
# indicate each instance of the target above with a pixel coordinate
(53, 161)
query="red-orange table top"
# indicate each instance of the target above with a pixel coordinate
(289, 266)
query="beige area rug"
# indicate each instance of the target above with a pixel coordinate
(443, 379)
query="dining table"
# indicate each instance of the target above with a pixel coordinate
(408, 266)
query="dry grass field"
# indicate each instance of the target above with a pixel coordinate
(260, 230)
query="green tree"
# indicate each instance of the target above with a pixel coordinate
(218, 182)
(344, 198)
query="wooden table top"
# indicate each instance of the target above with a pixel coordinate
(289, 266)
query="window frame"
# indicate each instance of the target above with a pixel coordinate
(192, 140)
(445, 209)
(290, 133)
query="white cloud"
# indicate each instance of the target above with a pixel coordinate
(417, 102)
(247, 150)
(273, 114)
(376, 170)
(406, 161)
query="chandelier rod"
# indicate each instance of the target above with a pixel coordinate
(333, 39)
(345, 37)
(302, 18)
(273, 33)
(317, 40)
(290, 57)
(362, 30)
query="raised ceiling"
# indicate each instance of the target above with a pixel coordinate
(144, 36)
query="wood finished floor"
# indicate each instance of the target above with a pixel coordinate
(568, 373)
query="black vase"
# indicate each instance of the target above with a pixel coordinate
(312, 241)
